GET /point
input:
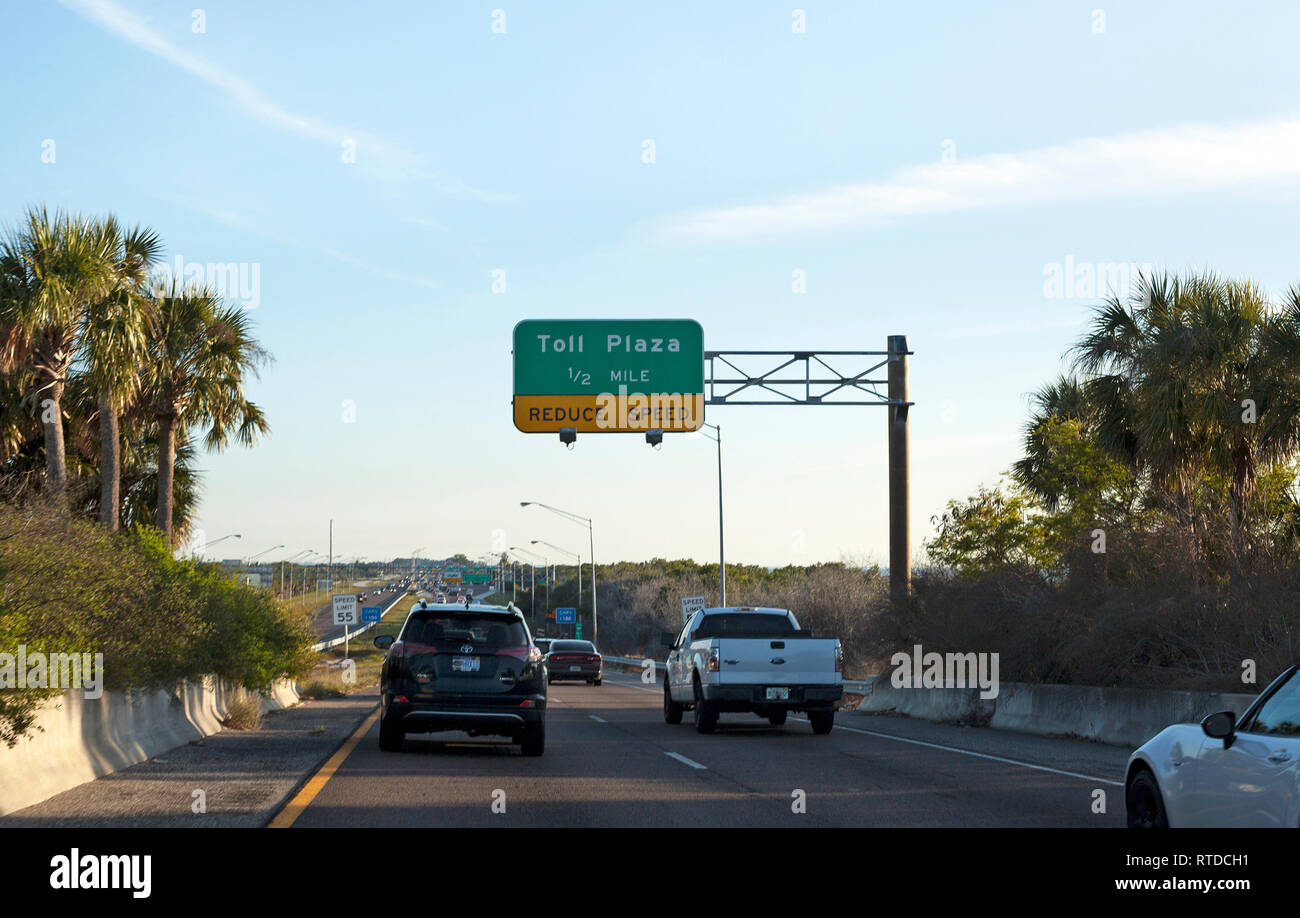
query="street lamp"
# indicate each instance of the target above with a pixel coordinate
(233, 535)
(591, 538)
(722, 557)
(317, 559)
(565, 551)
(252, 558)
(546, 564)
(289, 560)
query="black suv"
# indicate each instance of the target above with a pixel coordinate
(456, 667)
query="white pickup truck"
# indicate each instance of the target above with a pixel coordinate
(752, 659)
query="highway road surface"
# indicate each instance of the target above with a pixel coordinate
(322, 617)
(612, 761)
(322, 620)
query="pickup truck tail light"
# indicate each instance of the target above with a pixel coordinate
(839, 658)
(713, 661)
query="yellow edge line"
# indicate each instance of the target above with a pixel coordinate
(301, 800)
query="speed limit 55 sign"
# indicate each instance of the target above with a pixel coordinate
(345, 610)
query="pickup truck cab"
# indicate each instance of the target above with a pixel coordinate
(755, 659)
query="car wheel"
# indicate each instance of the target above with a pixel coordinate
(822, 721)
(776, 718)
(598, 681)
(534, 742)
(1146, 810)
(391, 735)
(672, 710)
(706, 718)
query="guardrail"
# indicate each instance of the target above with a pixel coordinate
(335, 642)
(852, 686)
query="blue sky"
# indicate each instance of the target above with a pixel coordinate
(923, 165)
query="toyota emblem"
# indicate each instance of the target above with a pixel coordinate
(466, 648)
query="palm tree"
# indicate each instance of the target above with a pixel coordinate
(200, 356)
(140, 484)
(1198, 374)
(114, 344)
(51, 270)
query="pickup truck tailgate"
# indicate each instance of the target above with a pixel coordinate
(777, 661)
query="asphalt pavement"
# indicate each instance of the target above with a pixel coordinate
(612, 761)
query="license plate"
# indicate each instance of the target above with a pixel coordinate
(464, 664)
(778, 694)
(575, 669)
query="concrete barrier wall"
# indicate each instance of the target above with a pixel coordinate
(76, 740)
(1123, 717)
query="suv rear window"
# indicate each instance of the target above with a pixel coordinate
(743, 624)
(573, 647)
(490, 631)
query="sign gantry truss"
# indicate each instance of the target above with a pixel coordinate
(798, 378)
(817, 378)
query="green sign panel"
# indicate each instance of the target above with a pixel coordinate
(608, 375)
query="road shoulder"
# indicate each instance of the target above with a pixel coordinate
(231, 779)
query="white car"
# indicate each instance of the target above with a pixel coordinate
(1223, 772)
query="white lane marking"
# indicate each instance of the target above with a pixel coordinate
(685, 761)
(642, 688)
(978, 755)
(599, 720)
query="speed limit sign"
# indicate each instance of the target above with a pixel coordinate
(345, 610)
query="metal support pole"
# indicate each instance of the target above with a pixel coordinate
(900, 560)
(722, 555)
(591, 541)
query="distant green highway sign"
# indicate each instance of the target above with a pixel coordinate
(608, 375)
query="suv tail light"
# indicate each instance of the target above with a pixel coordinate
(839, 658)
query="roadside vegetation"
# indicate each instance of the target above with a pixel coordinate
(1150, 535)
(70, 586)
(110, 382)
(326, 678)
(639, 601)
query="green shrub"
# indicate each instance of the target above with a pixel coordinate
(68, 585)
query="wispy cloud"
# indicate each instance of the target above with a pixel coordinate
(380, 271)
(253, 220)
(1176, 160)
(378, 157)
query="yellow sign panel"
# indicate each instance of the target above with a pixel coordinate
(609, 412)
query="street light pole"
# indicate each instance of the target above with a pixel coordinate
(567, 552)
(233, 535)
(546, 564)
(591, 540)
(722, 555)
